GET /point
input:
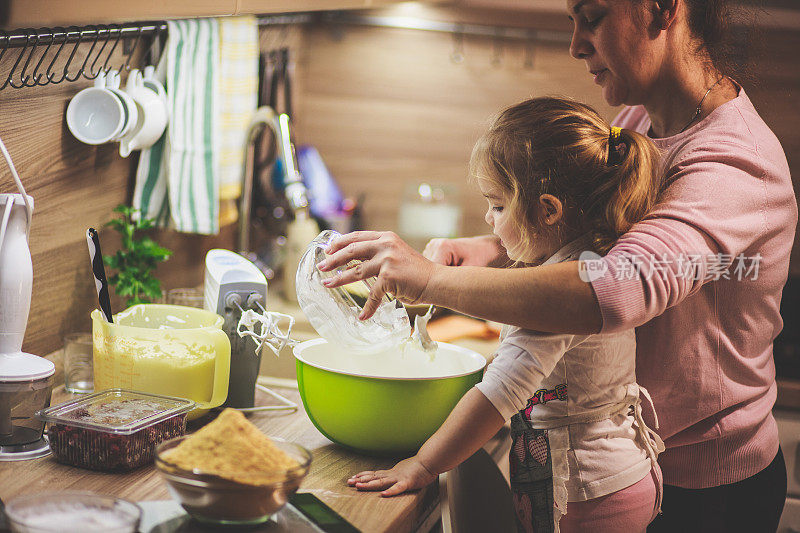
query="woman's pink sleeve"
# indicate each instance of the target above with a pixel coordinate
(714, 208)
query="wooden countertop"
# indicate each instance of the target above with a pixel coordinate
(330, 468)
(331, 465)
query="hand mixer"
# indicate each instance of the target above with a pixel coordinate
(235, 287)
(25, 379)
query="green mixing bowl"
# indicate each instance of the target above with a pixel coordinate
(387, 403)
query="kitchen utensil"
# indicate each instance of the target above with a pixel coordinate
(234, 285)
(113, 430)
(382, 404)
(151, 114)
(99, 272)
(334, 313)
(78, 373)
(96, 115)
(164, 349)
(25, 379)
(59, 511)
(215, 500)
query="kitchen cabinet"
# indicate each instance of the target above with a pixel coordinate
(37, 13)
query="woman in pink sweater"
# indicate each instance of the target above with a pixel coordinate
(700, 277)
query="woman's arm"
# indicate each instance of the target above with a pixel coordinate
(708, 213)
(473, 421)
(550, 298)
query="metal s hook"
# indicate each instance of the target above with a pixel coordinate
(106, 68)
(67, 31)
(92, 74)
(82, 70)
(149, 55)
(457, 55)
(497, 48)
(36, 77)
(10, 79)
(4, 35)
(127, 65)
(530, 48)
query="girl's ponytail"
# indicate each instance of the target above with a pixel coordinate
(629, 190)
(558, 146)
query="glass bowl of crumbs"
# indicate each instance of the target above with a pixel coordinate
(53, 512)
(230, 473)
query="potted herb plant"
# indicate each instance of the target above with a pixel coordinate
(137, 258)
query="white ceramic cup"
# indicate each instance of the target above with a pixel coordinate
(151, 82)
(96, 115)
(128, 104)
(151, 119)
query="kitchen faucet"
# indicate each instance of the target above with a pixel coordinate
(302, 229)
(296, 193)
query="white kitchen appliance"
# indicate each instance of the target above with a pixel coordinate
(233, 287)
(25, 379)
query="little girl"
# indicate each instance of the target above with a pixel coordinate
(559, 182)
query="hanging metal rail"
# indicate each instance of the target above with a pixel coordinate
(40, 62)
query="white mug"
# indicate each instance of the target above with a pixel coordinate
(151, 82)
(152, 115)
(96, 115)
(128, 104)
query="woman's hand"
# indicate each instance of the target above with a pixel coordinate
(407, 475)
(467, 251)
(400, 270)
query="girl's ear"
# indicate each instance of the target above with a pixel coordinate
(551, 209)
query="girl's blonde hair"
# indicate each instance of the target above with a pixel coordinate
(559, 146)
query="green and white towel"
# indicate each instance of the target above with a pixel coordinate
(238, 99)
(177, 181)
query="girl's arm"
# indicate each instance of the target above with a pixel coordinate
(485, 250)
(473, 421)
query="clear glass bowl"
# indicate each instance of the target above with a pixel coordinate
(51, 512)
(334, 312)
(216, 500)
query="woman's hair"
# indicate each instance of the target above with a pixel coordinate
(560, 147)
(711, 24)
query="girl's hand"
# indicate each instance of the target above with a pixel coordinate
(407, 475)
(400, 270)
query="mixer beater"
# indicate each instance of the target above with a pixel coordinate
(237, 290)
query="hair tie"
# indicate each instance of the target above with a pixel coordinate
(617, 147)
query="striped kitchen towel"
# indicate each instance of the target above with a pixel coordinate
(177, 181)
(238, 99)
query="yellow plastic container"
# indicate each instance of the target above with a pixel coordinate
(163, 349)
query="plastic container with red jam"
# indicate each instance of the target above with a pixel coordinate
(115, 429)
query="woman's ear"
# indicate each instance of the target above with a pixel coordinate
(551, 209)
(665, 12)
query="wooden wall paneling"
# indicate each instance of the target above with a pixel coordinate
(388, 107)
(37, 13)
(76, 186)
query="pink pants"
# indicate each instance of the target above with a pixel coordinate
(629, 510)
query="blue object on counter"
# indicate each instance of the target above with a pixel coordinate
(325, 196)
